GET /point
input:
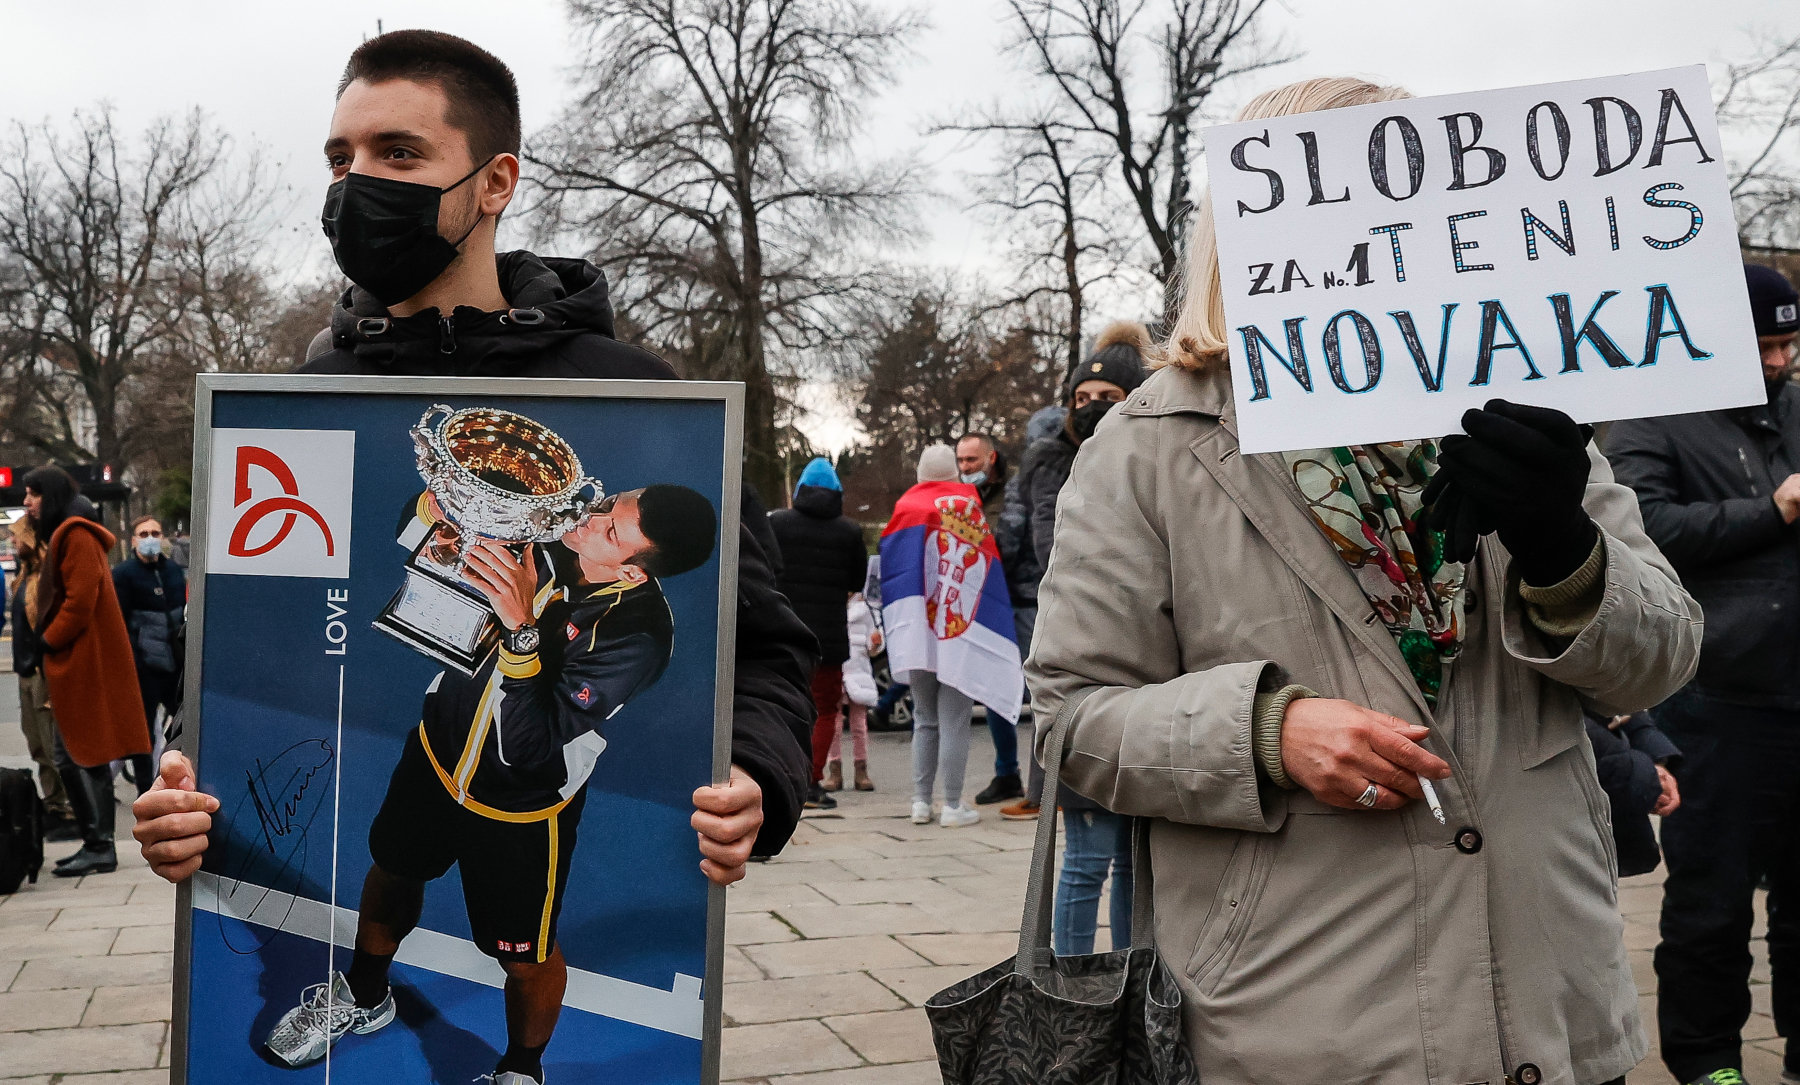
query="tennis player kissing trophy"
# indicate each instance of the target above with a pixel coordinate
(489, 474)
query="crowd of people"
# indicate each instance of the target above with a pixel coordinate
(1398, 715)
(98, 652)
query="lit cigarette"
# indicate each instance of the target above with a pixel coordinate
(1437, 808)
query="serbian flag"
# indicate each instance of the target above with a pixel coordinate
(944, 601)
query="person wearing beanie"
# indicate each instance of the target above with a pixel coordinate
(1117, 365)
(1720, 493)
(937, 464)
(824, 561)
(981, 464)
(942, 615)
(1097, 841)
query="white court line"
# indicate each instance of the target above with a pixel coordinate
(337, 794)
(679, 1011)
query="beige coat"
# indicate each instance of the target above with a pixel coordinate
(1318, 946)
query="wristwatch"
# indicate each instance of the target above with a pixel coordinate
(522, 641)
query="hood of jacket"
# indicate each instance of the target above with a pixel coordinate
(819, 502)
(1045, 422)
(79, 523)
(551, 300)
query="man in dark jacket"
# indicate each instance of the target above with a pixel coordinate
(823, 561)
(981, 464)
(427, 127)
(1720, 494)
(152, 592)
(1092, 388)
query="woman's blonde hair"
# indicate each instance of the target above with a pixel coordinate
(1197, 339)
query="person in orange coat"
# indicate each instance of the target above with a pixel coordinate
(87, 663)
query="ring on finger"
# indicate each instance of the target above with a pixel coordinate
(1367, 798)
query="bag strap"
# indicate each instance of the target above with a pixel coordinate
(1040, 885)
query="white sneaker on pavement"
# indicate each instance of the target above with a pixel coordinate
(921, 814)
(508, 1077)
(955, 817)
(326, 1012)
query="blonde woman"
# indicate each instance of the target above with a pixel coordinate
(1264, 654)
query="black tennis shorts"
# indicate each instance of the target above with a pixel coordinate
(514, 873)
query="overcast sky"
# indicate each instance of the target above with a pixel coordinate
(266, 72)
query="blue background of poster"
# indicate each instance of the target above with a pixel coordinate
(636, 907)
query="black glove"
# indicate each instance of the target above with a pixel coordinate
(1520, 472)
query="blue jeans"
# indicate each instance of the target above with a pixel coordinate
(891, 696)
(1006, 744)
(1096, 839)
(1006, 735)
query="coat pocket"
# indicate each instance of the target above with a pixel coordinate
(1599, 807)
(1232, 907)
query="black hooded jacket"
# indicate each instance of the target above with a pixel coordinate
(823, 560)
(561, 325)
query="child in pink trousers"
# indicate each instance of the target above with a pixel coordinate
(859, 695)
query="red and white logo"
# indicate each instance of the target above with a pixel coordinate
(279, 502)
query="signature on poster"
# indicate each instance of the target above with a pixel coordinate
(286, 794)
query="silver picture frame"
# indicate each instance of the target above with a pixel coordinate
(209, 386)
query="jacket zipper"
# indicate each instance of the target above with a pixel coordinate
(1748, 474)
(446, 336)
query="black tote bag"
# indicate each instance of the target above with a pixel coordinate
(1039, 1019)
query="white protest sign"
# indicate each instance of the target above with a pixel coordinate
(1386, 267)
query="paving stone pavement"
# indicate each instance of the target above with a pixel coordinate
(832, 948)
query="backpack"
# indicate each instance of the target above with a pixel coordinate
(21, 830)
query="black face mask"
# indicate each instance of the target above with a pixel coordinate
(384, 233)
(1082, 420)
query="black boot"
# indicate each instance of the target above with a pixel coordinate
(90, 795)
(1001, 789)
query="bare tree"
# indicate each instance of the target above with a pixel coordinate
(1759, 104)
(943, 361)
(1045, 196)
(708, 163)
(1099, 56)
(125, 253)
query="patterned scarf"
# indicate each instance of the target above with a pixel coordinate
(1366, 500)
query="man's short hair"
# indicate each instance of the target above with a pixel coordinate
(148, 518)
(986, 441)
(680, 525)
(484, 98)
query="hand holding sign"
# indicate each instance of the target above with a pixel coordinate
(1519, 472)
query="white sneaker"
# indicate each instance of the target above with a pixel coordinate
(509, 1077)
(921, 813)
(955, 817)
(326, 1012)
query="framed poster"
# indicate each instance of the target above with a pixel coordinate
(461, 651)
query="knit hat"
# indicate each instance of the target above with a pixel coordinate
(1773, 303)
(819, 473)
(1118, 356)
(937, 464)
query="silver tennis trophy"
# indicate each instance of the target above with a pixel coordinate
(493, 475)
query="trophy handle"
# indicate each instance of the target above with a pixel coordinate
(561, 521)
(425, 444)
(422, 432)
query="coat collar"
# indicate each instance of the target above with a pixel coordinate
(1262, 490)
